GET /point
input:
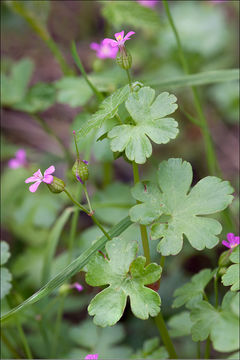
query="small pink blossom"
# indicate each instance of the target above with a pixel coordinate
(120, 39)
(104, 51)
(148, 3)
(20, 159)
(91, 357)
(232, 241)
(77, 286)
(37, 178)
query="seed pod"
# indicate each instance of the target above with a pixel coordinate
(80, 170)
(57, 186)
(124, 59)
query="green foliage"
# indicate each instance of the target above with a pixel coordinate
(222, 325)
(126, 276)
(192, 293)
(130, 13)
(69, 271)
(108, 109)
(180, 324)
(112, 203)
(14, 84)
(181, 210)
(232, 275)
(151, 350)
(92, 339)
(149, 122)
(73, 91)
(6, 276)
(39, 98)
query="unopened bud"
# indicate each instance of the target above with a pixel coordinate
(57, 186)
(64, 289)
(80, 170)
(224, 259)
(124, 59)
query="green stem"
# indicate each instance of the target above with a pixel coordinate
(165, 336)
(87, 197)
(207, 348)
(198, 350)
(108, 173)
(9, 346)
(87, 212)
(24, 340)
(210, 151)
(57, 326)
(216, 290)
(83, 72)
(129, 78)
(49, 131)
(143, 228)
(73, 230)
(59, 57)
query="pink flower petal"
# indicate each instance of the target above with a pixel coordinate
(78, 286)
(121, 34)
(94, 46)
(38, 174)
(127, 37)
(91, 357)
(50, 170)
(21, 155)
(31, 179)
(225, 243)
(48, 179)
(111, 42)
(34, 187)
(230, 236)
(14, 164)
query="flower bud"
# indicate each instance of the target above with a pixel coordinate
(64, 289)
(124, 58)
(224, 259)
(57, 185)
(80, 170)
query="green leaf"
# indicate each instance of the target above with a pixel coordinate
(73, 91)
(6, 278)
(39, 98)
(231, 277)
(181, 210)
(4, 252)
(180, 324)
(151, 350)
(126, 276)
(130, 13)
(108, 109)
(70, 270)
(102, 341)
(203, 78)
(149, 122)
(192, 293)
(221, 325)
(235, 355)
(14, 85)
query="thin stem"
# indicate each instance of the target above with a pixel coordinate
(210, 151)
(87, 212)
(159, 321)
(83, 72)
(49, 131)
(10, 346)
(24, 340)
(198, 350)
(59, 57)
(57, 326)
(129, 78)
(87, 197)
(143, 228)
(216, 290)
(73, 230)
(207, 349)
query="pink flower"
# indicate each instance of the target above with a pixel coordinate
(91, 357)
(104, 51)
(38, 178)
(77, 286)
(232, 241)
(120, 39)
(20, 160)
(148, 3)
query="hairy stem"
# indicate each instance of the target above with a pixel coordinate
(83, 72)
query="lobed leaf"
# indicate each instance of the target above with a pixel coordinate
(126, 276)
(178, 210)
(149, 123)
(231, 277)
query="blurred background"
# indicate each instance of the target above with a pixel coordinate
(44, 98)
